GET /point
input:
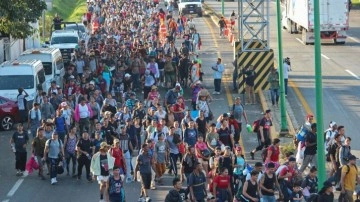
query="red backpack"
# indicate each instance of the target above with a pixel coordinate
(256, 126)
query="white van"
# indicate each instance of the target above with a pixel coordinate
(27, 74)
(52, 62)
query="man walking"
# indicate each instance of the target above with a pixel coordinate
(222, 26)
(264, 133)
(85, 150)
(218, 71)
(273, 79)
(54, 150)
(144, 162)
(349, 178)
(196, 184)
(310, 149)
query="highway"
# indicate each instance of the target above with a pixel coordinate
(32, 189)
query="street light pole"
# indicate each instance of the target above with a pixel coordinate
(222, 7)
(281, 70)
(319, 97)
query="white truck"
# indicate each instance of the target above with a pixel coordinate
(298, 16)
(190, 7)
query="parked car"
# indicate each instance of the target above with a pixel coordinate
(9, 113)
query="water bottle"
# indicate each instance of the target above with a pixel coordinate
(248, 128)
(13, 147)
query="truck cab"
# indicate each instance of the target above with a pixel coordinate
(190, 7)
(66, 41)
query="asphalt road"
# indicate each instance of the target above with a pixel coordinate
(340, 73)
(32, 189)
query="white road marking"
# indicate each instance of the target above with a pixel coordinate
(354, 39)
(7, 200)
(15, 187)
(324, 56)
(352, 74)
(299, 40)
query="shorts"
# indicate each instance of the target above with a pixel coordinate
(160, 168)
(102, 179)
(146, 180)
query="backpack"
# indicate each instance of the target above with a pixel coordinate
(256, 126)
(280, 168)
(233, 108)
(264, 152)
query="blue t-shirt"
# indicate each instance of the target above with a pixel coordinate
(60, 124)
(190, 136)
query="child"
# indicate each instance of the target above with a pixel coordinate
(97, 141)
(297, 193)
(160, 157)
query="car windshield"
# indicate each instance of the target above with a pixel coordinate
(64, 39)
(74, 27)
(47, 67)
(10, 82)
(186, 1)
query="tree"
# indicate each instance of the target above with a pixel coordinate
(16, 16)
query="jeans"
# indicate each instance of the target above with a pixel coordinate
(308, 159)
(71, 157)
(217, 84)
(268, 198)
(222, 29)
(84, 161)
(286, 86)
(274, 96)
(61, 136)
(263, 144)
(173, 160)
(53, 167)
(128, 164)
(20, 160)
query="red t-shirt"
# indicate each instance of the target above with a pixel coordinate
(177, 106)
(117, 154)
(222, 182)
(286, 170)
(275, 153)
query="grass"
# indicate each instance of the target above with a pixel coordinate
(68, 10)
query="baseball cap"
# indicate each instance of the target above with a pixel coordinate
(352, 157)
(292, 159)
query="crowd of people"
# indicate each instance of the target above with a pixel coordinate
(109, 110)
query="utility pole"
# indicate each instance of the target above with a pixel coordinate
(319, 97)
(222, 7)
(284, 125)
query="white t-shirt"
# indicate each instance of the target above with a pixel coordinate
(20, 102)
(84, 111)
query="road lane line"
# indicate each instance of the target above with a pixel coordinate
(15, 188)
(354, 39)
(226, 78)
(7, 200)
(299, 40)
(301, 98)
(324, 56)
(352, 74)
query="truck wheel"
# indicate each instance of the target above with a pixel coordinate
(200, 14)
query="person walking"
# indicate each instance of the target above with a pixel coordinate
(37, 148)
(18, 142)
(273, 79)
(218, 69)
(82, 115)
(196, 183)
(310, 149)
(268, 183)
(264, 133)
(173, 141)
(177, 194)
(114, 186)
(101, 165)
(54, 150)
(222, 26)
(286, 69)
(70, 150)
(22, 103)
(238, 111)
(349, 178)
(85, 149)
(144, 163)
(250, 83)
(34, 119)
(250, 190)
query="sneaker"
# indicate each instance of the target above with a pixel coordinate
(25, 173)
(141, 199)
(128, 180)
(148, 199)
(214, 93)
(252, 155)
(217, 93)
(53, 181)
(17, 173)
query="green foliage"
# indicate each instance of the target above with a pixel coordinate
(15, 16)
(72, 12)
(286, 148)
